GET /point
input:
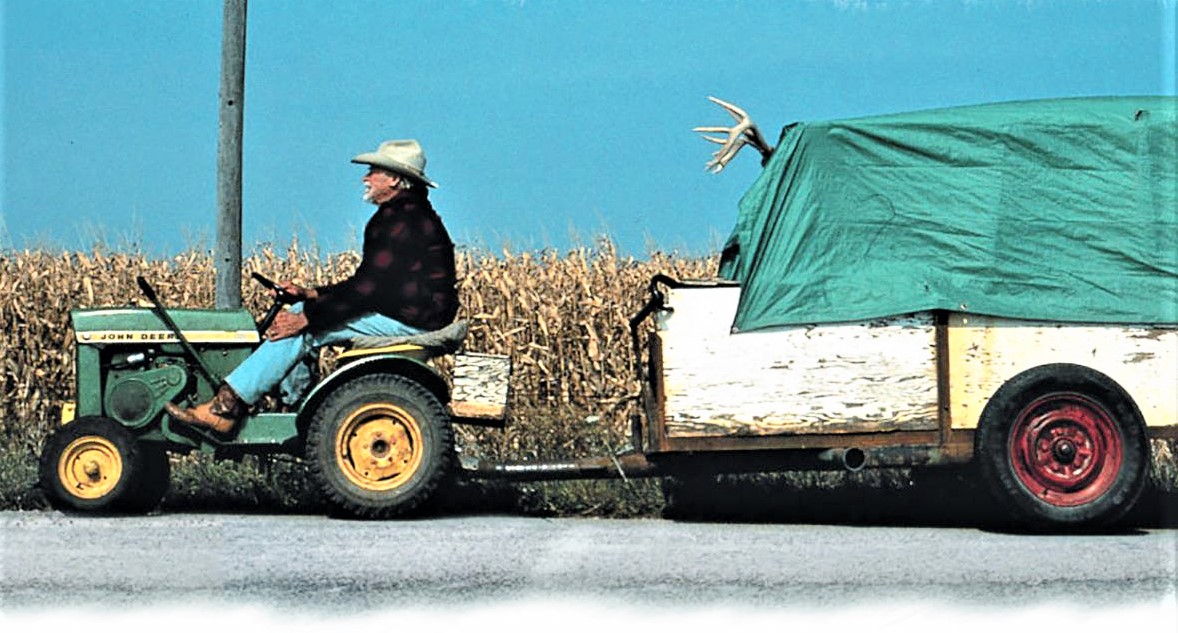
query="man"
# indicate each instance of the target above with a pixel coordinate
(405, 284)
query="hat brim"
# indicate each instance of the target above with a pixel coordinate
(378, 160)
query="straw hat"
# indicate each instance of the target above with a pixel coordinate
(402, 157)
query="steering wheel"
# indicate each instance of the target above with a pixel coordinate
(281, 298)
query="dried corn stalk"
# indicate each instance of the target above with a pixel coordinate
(562, 318)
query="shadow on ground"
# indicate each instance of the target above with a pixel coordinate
(883, 497)
(941, 499)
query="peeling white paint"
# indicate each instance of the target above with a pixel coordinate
(986, 352)
(871, 376)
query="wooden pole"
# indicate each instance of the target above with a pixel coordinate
(227, 255)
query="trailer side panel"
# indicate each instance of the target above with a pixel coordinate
(986, 352)
(868, 376)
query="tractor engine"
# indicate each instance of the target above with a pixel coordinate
(129, 363)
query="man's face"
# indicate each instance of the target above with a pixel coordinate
(380, 185)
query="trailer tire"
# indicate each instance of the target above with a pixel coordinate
(1063, 447)
(379, 446)
(94, 465)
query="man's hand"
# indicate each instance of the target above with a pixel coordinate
(286, 324)
(297, 291)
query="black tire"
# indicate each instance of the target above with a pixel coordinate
(95, 465)
(379, 446)
(1063, 447)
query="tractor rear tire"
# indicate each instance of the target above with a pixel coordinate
(1062, 447)
(379, 446)
(96, 465)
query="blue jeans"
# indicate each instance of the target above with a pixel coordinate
(287, 362)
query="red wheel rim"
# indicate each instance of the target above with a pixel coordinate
(1066, 449)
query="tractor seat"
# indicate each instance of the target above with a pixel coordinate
(420, 346)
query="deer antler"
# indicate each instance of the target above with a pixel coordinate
(745, 132)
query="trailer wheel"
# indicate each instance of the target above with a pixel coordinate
(1062, 446)
(379, 446)
(94, 464)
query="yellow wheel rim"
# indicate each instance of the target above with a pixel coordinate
(90, 467)
(379, 447)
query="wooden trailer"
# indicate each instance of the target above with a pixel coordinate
(990, 284)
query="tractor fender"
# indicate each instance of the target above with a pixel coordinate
(395, 364)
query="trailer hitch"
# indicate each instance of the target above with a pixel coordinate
(631, 464)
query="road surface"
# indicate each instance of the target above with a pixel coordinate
(301, 569)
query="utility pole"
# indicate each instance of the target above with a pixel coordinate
(227, 254)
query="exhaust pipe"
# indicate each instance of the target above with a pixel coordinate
(851, 459)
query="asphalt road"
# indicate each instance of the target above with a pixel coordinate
(299, 567)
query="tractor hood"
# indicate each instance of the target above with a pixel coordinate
(104, 326)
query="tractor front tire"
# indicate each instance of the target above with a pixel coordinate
(1063, 447)
(96, 465)
(379, 446)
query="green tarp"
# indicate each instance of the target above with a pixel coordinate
(1063, 209)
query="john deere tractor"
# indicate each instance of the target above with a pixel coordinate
(376, 432)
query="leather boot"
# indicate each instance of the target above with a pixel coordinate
(219, 414)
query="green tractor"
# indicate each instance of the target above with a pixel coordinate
(376, 432)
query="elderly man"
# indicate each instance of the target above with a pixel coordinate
(405, 284)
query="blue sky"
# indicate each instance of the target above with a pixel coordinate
(547, 123)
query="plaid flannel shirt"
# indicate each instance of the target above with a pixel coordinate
(407, 271)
